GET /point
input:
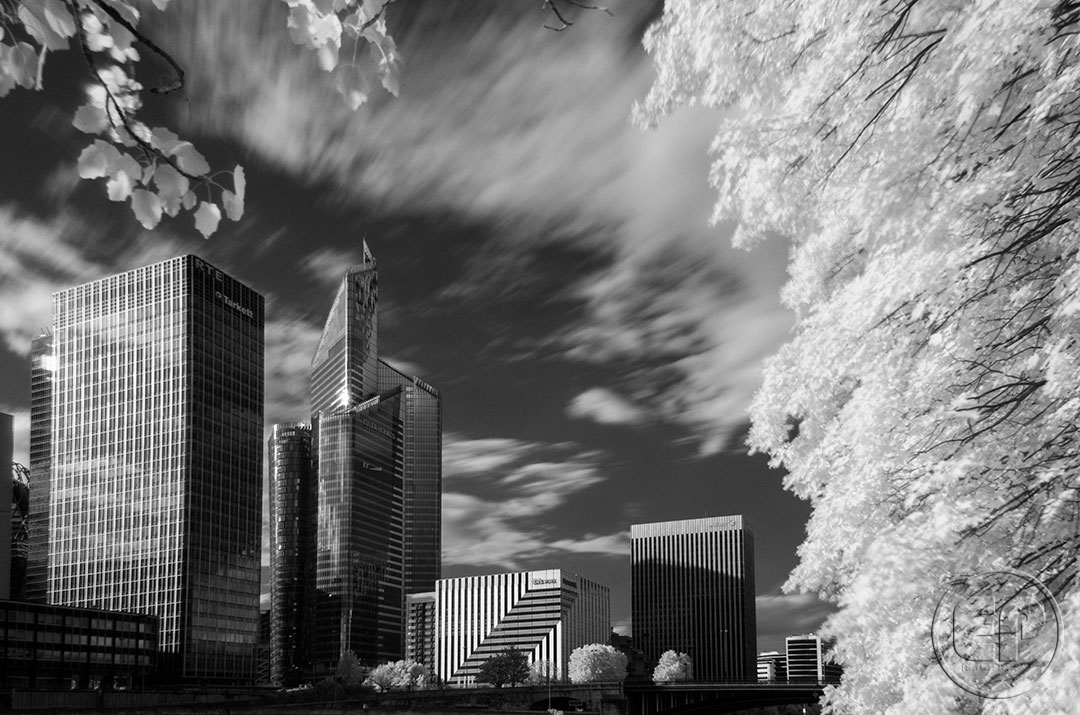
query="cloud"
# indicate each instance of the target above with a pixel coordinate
(606, 407)
(328, 265)
(527, 131)
(504, 492)
(781, 615)
(290, 344)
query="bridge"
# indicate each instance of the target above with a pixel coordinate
(612, 698)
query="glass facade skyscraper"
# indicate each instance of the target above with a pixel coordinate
(692, 590)
(154, 501)
(42, 366)
(421, 418)
(377, 444)
(293, 499)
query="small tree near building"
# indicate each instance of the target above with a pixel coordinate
(349, 671)
(596, 663)
(509, 667)
(673, 667)
(399, 675)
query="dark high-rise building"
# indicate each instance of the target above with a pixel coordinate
(293, 499)
(20, 509)
(377, 443)
(692, 590)
(360, 600)
(42, 367)
(6, 492)
(421, 417)
(154, 496)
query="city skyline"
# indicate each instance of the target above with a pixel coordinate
(548, 304)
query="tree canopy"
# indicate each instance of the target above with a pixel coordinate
(672, 667)
(508, 667)
(923, 160)
(596, 663)
(399, 675)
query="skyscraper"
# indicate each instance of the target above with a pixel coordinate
(377, 442)
(692, 590)
(293, 500)
(42, 366)
(6, 494)
(154, 496)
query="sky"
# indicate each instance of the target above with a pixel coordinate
(548, 266)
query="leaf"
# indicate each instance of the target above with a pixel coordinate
(353, 84)
(95, 160)
(188, 201)
(234, 202)
(90, 119)
(119, 186)
(22, 64)
(189, 159)
(172, 185)
(164, 140)
(32, 14)
(207, 217)
(147, 208)
(59, 18)
(161, 4)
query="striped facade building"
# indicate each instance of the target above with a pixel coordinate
(545, 614)
(692, 590)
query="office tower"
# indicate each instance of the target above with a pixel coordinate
(6, 459)
(807, 660)
(377, 442)
(155, 489)
(293, 499)
(544, 614)
(771, 667)
(20, 509)
(42, 366)
(692, 590)
(421, 478)
(420, 628)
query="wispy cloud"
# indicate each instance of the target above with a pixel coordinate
(328, 264)
(786, 614)
(606, 407)
(504, 493)
(514, 126)
(290, 344)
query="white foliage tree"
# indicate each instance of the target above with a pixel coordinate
(596, 663)
(399, 675)
(924, 159)
(672, 667)
(151, 167)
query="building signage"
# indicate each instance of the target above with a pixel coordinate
(234, 305)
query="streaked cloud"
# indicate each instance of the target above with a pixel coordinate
(606, 407)
(328, 265)
(525, 130)
(786, 614)
(504, 493)
(290, 344)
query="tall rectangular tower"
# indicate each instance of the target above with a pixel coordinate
(42, 367)
(156, 454)
(421, 422)
(692, 590)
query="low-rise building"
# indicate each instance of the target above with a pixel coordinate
(544, 614)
